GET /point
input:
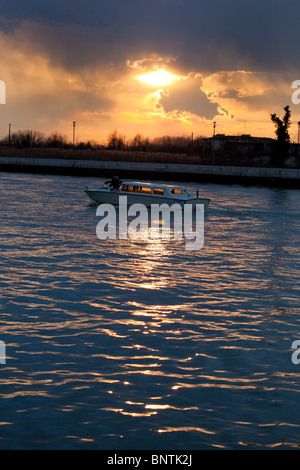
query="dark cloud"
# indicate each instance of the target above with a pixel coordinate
(207, 36)
(186, 96)
(59, 12)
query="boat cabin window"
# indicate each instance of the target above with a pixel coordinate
(136, 189)
(145, 190)
(158, 191)
(176, 191)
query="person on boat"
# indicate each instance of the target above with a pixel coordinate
(114, 183)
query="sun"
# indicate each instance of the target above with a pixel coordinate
(159, 78)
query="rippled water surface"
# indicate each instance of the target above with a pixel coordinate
(134, 344)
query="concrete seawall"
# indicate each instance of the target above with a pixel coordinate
(162, 171)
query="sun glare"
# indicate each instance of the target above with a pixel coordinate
(158, 78)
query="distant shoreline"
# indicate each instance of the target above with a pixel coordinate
(284, 177)
(104, 154)
(99, 155)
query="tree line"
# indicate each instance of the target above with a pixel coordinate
(115, 141)
(166, 143)
(35, 139)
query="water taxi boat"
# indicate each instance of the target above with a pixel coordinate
(143, 193)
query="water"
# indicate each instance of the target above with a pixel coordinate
(138, 344)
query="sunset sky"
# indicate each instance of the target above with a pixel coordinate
(159, 67)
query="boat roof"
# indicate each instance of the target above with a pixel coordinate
(157, 185)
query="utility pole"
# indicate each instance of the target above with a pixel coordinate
(213, 144)
(9, 134)
(74, 123)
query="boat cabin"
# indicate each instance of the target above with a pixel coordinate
(153, 189)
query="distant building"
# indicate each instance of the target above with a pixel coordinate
(295, 150)
(239, 145)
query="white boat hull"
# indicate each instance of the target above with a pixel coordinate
(104, 196)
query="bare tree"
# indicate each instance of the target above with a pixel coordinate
(280, 148)
(282, 125)
(115, 141)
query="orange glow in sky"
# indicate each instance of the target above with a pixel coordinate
(159, 78)
(141, 75)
